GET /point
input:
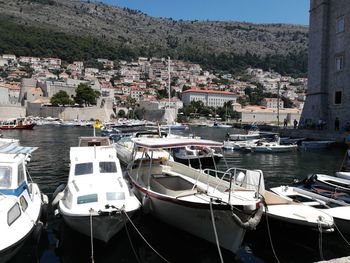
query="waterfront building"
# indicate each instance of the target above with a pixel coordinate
(9, 57)
(210, 98)
(273, 103)
(259, 114)
(328, 94)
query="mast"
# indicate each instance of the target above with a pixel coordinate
(169, 90)
(278, 105)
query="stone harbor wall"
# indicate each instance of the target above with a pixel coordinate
(8, 112)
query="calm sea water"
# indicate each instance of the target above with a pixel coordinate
(49, 168)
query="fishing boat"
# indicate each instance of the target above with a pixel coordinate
(22, 205)
(96, 200)
(339, 210)
(190, 199)
(17, 124)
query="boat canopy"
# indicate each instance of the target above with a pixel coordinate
(166, 143)
(13, 148)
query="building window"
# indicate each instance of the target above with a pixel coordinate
(337, 97)
(339, 63)
(340, 25)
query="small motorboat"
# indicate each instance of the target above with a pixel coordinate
(282, 211)
(192, 199)
(174, 126)
(328, 186)
(203, 157)
(236, 141)
(97, 198)
(272, 147)
(339, 210)
(22, 205)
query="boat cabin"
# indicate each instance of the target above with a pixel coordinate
(94, 141)
(13, 177)
(94, 161)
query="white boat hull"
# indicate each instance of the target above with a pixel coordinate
(21, 229)
(343, 175)
(274, 149)
(238, 145)
(198, 221)
(104, 227)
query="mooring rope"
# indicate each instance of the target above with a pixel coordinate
(91, 237)
(130, 241)
(269, 234)
(214, 227)
(320, 239)
(341, 234)
(144, 239)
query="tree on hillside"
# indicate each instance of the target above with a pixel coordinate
(287, 102)
(121, 114)
(86, 95)
(61, 98)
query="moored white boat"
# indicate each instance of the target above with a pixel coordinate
(272, 147)
(97, 196)
(282, 211)
(203, 157)
(191, 199)
(22, 204)
(174, 126)
(239, 141)
(339, 210)
(125, 146)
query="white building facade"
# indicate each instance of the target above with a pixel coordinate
(210, 98)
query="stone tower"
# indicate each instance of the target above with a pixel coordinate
(328, 95)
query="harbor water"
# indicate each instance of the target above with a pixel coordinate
(49, 167)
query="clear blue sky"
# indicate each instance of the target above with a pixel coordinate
(255, 11)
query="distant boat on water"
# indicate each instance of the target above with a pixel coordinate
(17, 123)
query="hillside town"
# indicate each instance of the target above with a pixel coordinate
(27, 85)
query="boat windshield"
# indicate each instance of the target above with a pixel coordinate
(84, 199)
(83, 168)
(108, 167)
(5, 177)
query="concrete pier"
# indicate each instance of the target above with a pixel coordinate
(336, 260)
(328, 135)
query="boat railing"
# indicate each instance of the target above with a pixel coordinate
(250, 179)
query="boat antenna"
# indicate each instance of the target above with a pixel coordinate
(278, 105)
